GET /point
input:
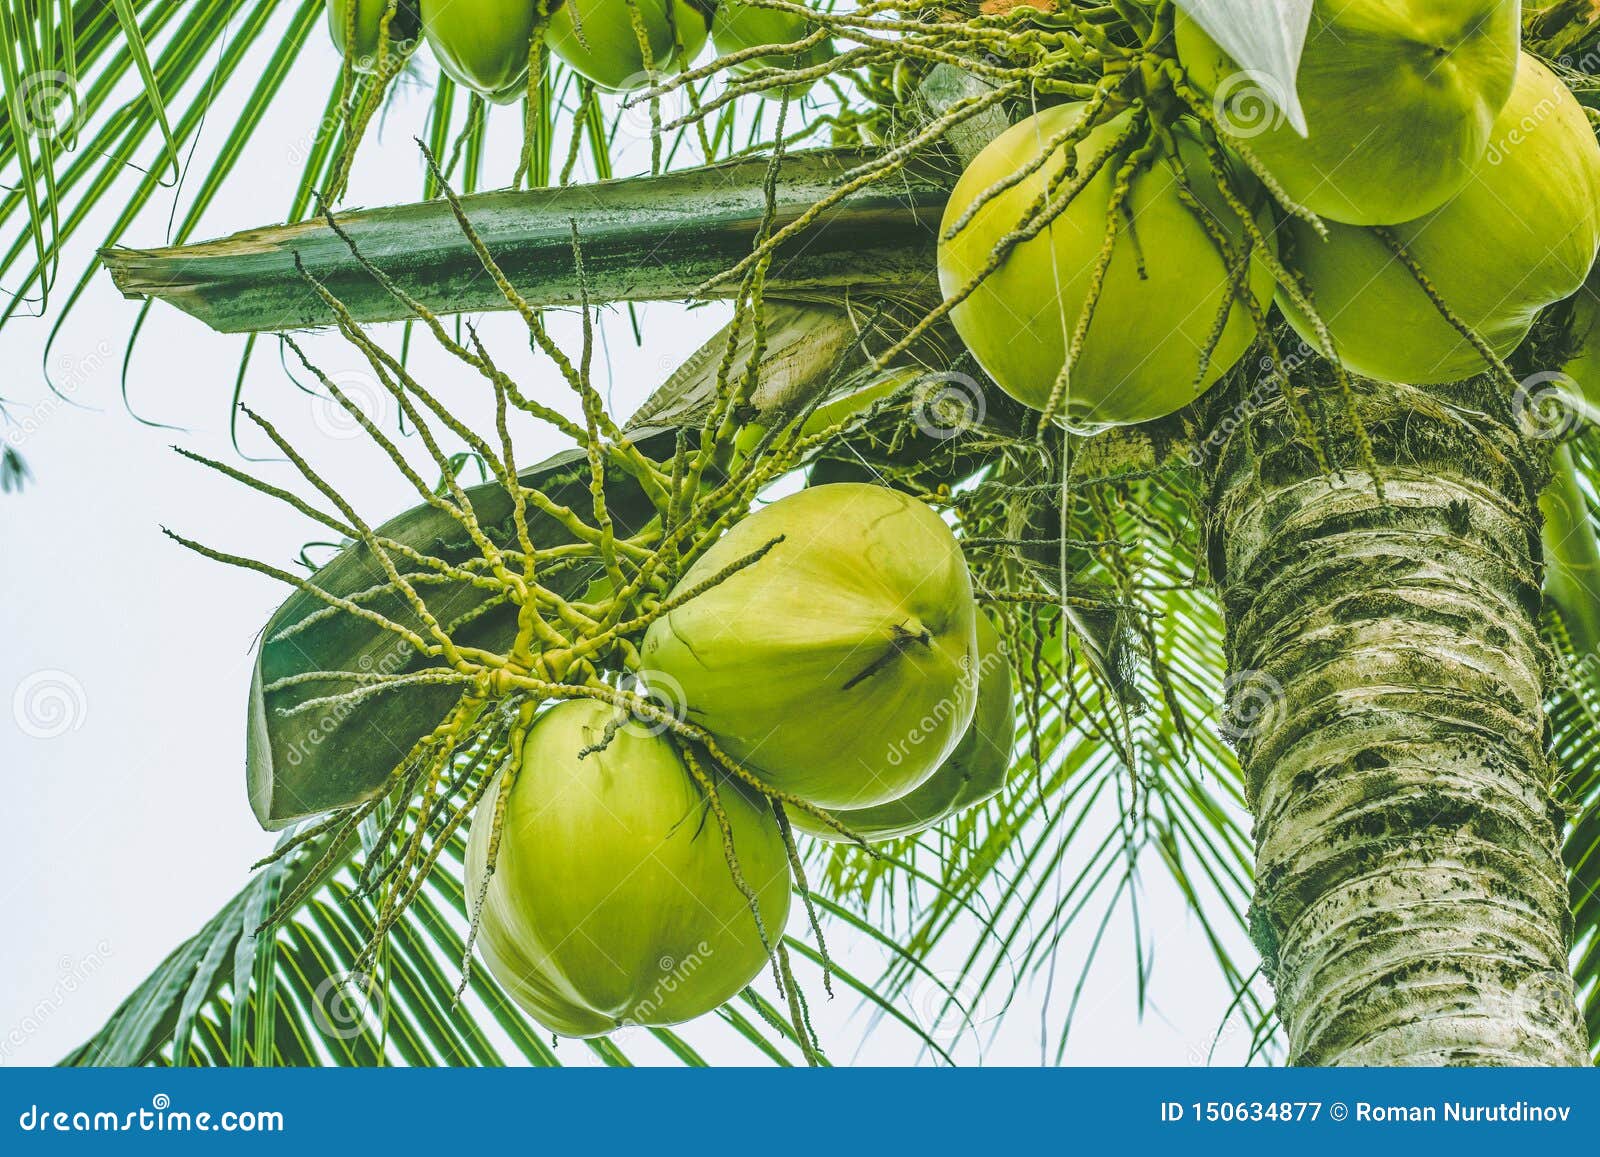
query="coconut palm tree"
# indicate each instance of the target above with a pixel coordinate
(1310, 679)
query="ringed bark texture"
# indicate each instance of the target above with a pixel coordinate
(1386, 700)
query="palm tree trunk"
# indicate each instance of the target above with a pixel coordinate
(1385, 697)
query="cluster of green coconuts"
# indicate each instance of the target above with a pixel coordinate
(1424, 119)
(484, 44)
(611, 901)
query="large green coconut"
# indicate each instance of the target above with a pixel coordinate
(839, 666)
(1399, 99)
(1520, 236)
(597, 37)
(404, 27)
(1163, 292)
(975, 771)
(482, 44)
(612, 902)
(737, 27)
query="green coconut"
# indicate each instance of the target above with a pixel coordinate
(738, 27)
(975, 771)
(404, 28)
(1142, 355)
(597, 37)
(1520, 236)
(839, 665)
(612, 902)
(482, 44)
(1399, 98)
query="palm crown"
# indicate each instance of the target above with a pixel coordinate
(1113, 563)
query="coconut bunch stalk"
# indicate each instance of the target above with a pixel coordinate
(1114, 91)
(575, 578)
(567, 646)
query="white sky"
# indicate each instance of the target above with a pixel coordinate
(128, 829)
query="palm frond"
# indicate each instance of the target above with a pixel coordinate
(292, 995)
(108, 103)
(1102, 800)
(1575, 746)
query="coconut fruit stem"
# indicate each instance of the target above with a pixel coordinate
(903, 639)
